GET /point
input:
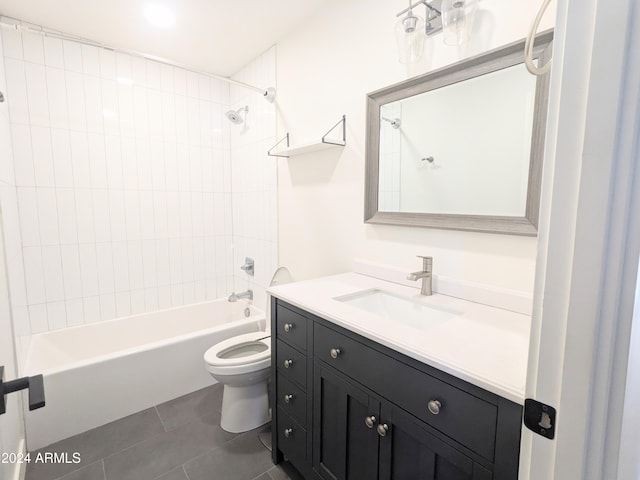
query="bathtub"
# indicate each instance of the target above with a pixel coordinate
(97, 373)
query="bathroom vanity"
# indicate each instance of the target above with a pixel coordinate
(349, 403)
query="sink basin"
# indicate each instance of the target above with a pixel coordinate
(399, 309)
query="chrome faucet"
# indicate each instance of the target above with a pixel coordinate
(424, 274)
(234, 297)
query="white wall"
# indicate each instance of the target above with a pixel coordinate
(254, 188)
(325, 69)
(123, 182)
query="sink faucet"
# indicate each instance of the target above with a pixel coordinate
(424, 274)
(234, 297)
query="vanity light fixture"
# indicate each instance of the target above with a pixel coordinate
(448, 16)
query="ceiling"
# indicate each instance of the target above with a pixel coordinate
(216, 36)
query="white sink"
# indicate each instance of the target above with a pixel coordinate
(399, 309)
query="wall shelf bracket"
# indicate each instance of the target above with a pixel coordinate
(269, 152)
(343, 142)
(324, 143)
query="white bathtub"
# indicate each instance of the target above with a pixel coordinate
(97, 373)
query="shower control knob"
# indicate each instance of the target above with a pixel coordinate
(288, 398)
(288, 327)
(288, 363)
(288, 432)
(370, 421)
(383, 428)
(335, 352)
(434, 406)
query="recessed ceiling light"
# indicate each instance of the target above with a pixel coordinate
(159, 15)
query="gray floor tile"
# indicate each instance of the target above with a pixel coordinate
(243, 458)
(284, 471)
(264, 476)
(166, 451)
(196, 406)
(175, 474)
(98, 443)
(95, 471)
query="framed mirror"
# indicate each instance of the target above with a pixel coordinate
(460, 147)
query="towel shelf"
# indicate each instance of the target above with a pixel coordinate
(325, 143)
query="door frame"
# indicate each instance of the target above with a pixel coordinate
(589, 241)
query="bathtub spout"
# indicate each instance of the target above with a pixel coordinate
(234, 297)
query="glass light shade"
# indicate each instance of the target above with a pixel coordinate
(454, 22)
(410, 38)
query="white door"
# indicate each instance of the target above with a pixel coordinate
(589, 242)
(11, 423)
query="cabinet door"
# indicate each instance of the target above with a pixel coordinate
(344, 447)
(409, 452)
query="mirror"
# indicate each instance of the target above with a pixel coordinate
(460, 147)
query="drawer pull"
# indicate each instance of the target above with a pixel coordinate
(288, 432)
(335, 352)
(434, 406)
(288, 327)
(370, 421)
(288, 363)
(383, 428)
(288, 398)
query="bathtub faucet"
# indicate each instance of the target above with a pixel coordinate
(234, 297)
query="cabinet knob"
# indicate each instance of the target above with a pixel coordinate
(370, 421)
(288, 432)
(288, 398)
(288, 363)
(434, 406)
(334, 352)
(288, 327)
(383, 428)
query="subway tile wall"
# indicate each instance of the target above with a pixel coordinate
(119, 197)
(254, 178)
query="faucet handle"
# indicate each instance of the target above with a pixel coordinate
(427, 262)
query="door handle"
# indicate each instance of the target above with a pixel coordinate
(34, 384)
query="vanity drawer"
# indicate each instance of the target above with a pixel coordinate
(292, 438)
(291, 327)
(462, 416)
(291, 363)
(292, 399)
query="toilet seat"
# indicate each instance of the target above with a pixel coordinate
(240, 354)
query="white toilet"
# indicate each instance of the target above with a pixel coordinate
(243, 365)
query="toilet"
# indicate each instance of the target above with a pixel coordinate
(243, 365)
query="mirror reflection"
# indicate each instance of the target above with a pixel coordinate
(460, 147)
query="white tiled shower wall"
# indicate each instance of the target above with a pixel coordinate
(122, 181)
(254, 188)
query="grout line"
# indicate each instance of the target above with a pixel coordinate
(155, 407)
(104, 469)
(185, 472)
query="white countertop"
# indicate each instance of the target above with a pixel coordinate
(485, 346)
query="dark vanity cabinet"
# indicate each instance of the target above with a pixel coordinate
(348, 408)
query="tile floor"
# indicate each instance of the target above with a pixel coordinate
(177, 440)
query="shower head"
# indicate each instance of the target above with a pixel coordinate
(395, 123)
(234, 115)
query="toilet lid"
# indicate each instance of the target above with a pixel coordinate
(240, 350)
